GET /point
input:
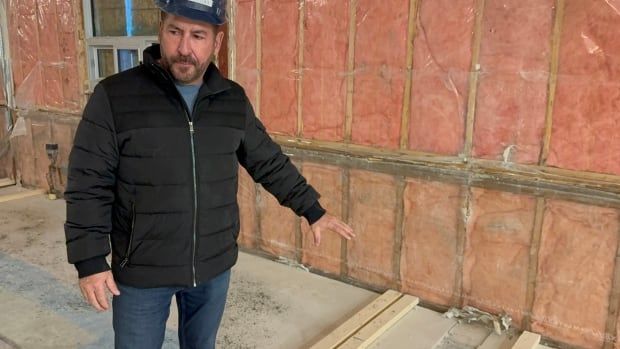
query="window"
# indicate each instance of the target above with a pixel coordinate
(117, 31)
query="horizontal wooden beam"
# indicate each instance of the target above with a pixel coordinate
(593, 188)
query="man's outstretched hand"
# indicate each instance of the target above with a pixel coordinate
(94, 289)
(328, 222)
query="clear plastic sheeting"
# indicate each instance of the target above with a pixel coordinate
(44, 52)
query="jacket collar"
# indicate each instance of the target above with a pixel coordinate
(213, 80)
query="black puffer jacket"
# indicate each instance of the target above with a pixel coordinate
(163, 188)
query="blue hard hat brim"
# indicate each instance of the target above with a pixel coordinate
(191, 13)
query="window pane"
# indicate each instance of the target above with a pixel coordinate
(127, 59)
(125, 17)
(105, 60)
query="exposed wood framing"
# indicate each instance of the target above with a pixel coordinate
(553, 78)
(589, 187)
(399, 232)
(300, 66)
(461, 241)
(7, 70)
(614, 303)
(258, 242)
(473, 80)
(299, 239)
(232, 40)
(346, 216)
(411, 34)
(259, 57)
(348, 120)
(532, 272)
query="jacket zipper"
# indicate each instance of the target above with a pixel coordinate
(133, 223)
(191, 135)
(169, 79)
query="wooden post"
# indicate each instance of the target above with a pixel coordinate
(411, 35)
(614, 303)
(473, 80)
(348, 120)
(553, 79)
(532, 272)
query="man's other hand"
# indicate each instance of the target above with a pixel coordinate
(94, 289)
(332, 223)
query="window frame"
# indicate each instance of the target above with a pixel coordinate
(93, 43)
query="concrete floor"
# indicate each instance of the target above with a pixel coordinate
(270, 305)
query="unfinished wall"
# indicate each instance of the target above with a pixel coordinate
(47, 61)
(45, 54)
(468, 142)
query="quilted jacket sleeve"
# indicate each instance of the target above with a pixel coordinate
(265, 162)
(90, 187)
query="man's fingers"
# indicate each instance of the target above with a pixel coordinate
(92, 299)
(343, 229)
(317, 236)
(112, 286)
(101, 297)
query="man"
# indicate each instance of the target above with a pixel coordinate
(153, 173)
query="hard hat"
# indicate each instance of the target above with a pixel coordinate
(210, 11)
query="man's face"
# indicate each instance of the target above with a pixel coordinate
(187, 47)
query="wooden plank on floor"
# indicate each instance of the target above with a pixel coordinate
(419, 329)
(369, 333)
(6, 182)
(357, 321)
(21, 195)
(527, 340)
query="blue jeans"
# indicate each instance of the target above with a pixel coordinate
(140, 314)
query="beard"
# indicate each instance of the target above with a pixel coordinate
(185, 69)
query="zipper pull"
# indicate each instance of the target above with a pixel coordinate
(191, 127)
(124, 262)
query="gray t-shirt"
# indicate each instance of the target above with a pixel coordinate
(189, 93)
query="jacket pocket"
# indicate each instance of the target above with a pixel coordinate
(131, 233)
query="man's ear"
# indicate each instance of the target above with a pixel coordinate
(219, 37)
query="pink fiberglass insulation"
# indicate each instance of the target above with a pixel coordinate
(514, 76)
(280, 19)
(587, 102)
(325, 69)
(441, 64)
(380, 74)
